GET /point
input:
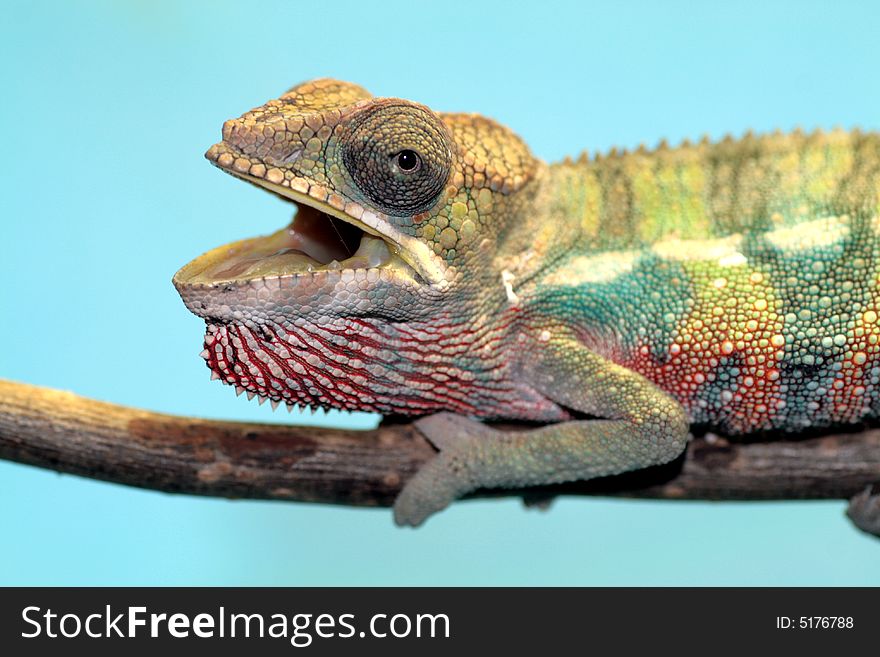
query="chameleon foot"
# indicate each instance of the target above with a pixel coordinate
(445, 477)
(864, 510)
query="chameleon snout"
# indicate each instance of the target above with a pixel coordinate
(262, 144)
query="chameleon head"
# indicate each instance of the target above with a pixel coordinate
(398, 210)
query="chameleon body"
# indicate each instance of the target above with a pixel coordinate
(435, 267)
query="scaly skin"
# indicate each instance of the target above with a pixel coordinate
(730, 284)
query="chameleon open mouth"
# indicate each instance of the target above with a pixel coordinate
(314, 242)
(325, 236)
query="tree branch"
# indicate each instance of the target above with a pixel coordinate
(61, 431)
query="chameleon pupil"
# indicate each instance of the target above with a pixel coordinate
(407, 160)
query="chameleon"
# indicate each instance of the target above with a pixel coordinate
(435, 267)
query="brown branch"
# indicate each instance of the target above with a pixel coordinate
(62, 431)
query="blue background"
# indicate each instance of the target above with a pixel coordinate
(106, 111)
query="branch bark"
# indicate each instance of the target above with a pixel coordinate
(61, 431)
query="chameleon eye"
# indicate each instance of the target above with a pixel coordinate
(408, 161)
(398, 155)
